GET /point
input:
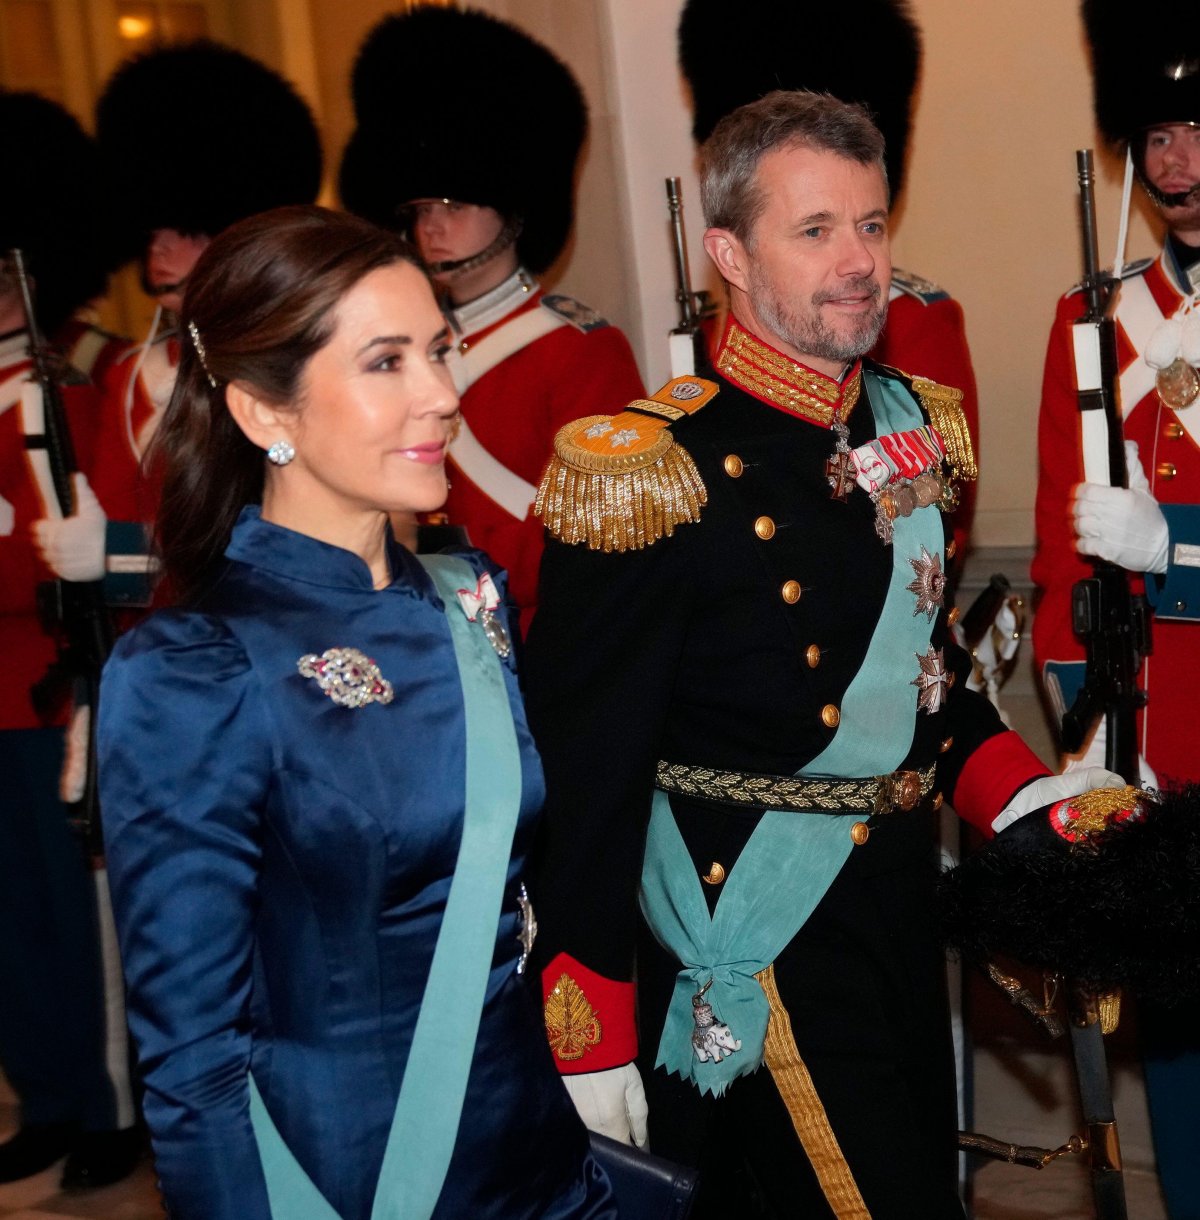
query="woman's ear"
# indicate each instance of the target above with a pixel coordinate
(262, 422)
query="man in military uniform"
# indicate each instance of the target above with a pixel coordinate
(749, 706)
(489, 206)
(1146, 65)
(776, 46)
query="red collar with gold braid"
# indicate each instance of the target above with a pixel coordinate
(782, 382)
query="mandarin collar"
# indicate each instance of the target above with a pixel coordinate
(784, 383)
(283, 552)
(495, 304)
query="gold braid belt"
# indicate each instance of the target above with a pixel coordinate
(900, 791)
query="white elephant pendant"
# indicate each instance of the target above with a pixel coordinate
(710, 1039)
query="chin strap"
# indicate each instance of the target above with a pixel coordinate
(502, 241)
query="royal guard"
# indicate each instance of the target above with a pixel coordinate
(479, 172)
(192, 137)
(62, 1023)
(788, 46)
(1146, 78)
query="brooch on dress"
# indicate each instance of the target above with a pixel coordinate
(349, 677)
(480, 605)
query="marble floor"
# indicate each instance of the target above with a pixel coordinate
(1023, 1085)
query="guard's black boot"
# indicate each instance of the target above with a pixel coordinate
(34, 1148)
(99, 1158)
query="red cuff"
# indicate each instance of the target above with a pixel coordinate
(991, 776)
(589, 1019)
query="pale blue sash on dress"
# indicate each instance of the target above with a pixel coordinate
(425, 1124)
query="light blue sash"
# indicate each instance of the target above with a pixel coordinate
(428, 1110)
(791, 858)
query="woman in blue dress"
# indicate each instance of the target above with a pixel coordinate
(317, 779)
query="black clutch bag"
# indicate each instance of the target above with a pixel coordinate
(647, 1187)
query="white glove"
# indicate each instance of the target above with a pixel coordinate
(1133, 464)
(1123, 526)
(612, 1102)
(1051, 788)
(73, 547)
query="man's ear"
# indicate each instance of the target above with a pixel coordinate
(728, 254)
(262, 422)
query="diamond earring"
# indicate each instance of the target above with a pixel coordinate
(280, 453)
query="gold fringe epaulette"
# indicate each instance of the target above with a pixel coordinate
(944, 405)
(621, 482)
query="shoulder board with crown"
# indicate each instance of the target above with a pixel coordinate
(1128, 272)
(583, 317)
(943, 405)
(622, 482)
(907, 283)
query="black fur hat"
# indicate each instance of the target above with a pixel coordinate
(867, 52)
(1118, 909)
(196, 135)
(454, 103)
(53, 209)
(1145, 64)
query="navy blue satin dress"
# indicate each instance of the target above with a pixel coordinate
(279, 867)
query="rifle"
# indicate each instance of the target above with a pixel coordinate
(1112, 623)
(76, 609)
(686, 340)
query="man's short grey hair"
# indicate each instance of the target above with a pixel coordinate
(787, 118)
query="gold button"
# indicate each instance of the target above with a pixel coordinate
(951, 547)
(764, 527)
(860, 832)
(938, 801)
(1173, 431)
(790, 592)
(954, 615)
(812, 654)
(715, 874)
(830, 716)
(1165, 470)
(946, 745)
(733, 466)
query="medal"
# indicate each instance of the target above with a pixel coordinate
(1178, 385)
(839, 466)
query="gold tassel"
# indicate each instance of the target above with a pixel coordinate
(618, 502)
(944, 405)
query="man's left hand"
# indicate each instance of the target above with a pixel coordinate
(1053, 788)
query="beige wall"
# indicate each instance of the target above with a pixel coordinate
(990, 203)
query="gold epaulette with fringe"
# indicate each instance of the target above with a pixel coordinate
(621, 482)
(944, 405)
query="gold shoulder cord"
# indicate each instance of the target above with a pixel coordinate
(808, 1115)
(944, 405)
(621, 482)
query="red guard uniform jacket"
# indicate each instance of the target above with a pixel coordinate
(1169, 448)
(578, 365)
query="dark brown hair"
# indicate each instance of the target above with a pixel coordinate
(260, 300)
(729, 189)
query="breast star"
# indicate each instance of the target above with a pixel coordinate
(929, 585)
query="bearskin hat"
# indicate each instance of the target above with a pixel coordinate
(195, 136)
(54, 210)
(868, 52)
(1115, 908)
(1145, 64)
(453, 103)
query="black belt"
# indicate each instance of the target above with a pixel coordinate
(897, 792)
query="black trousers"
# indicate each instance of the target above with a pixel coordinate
(864, 984)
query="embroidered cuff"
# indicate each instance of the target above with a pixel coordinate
(991, 775)
(589, 1018)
